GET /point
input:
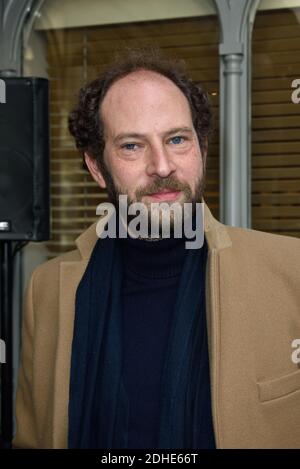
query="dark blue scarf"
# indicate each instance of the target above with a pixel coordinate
(98, 407)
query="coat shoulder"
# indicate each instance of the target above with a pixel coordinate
(256, 236)
(269, 247)
(50, 268)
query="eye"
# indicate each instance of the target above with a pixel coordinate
(177, 140)
(130, 146)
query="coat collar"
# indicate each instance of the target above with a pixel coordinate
(215, 232)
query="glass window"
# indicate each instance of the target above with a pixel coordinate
(276, 122)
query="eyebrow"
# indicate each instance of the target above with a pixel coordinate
(175, 130)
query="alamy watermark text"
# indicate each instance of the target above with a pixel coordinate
(2, 351)
(2, 91)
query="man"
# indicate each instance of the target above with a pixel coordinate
(142, 343)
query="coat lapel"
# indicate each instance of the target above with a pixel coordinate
(218, 239)
(71, 273)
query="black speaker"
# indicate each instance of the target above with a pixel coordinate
(24, 160)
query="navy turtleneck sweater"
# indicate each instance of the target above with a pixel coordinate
(152, 271)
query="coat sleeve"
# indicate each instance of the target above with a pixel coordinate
(26, 434)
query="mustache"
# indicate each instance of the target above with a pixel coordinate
(160, 184)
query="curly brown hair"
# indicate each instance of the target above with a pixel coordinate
(85, 122)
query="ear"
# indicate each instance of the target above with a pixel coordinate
(94, 170)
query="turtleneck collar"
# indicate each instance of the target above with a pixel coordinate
(153, 259)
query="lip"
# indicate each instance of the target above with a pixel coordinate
(165, 195)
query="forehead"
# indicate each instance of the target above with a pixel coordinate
(144, 96)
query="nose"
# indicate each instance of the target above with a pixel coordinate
(159, 162)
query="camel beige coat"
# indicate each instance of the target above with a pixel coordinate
(253, 315)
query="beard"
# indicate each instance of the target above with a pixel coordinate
(156, 215)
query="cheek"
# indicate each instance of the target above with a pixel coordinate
(191, 169)
(127, 176)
